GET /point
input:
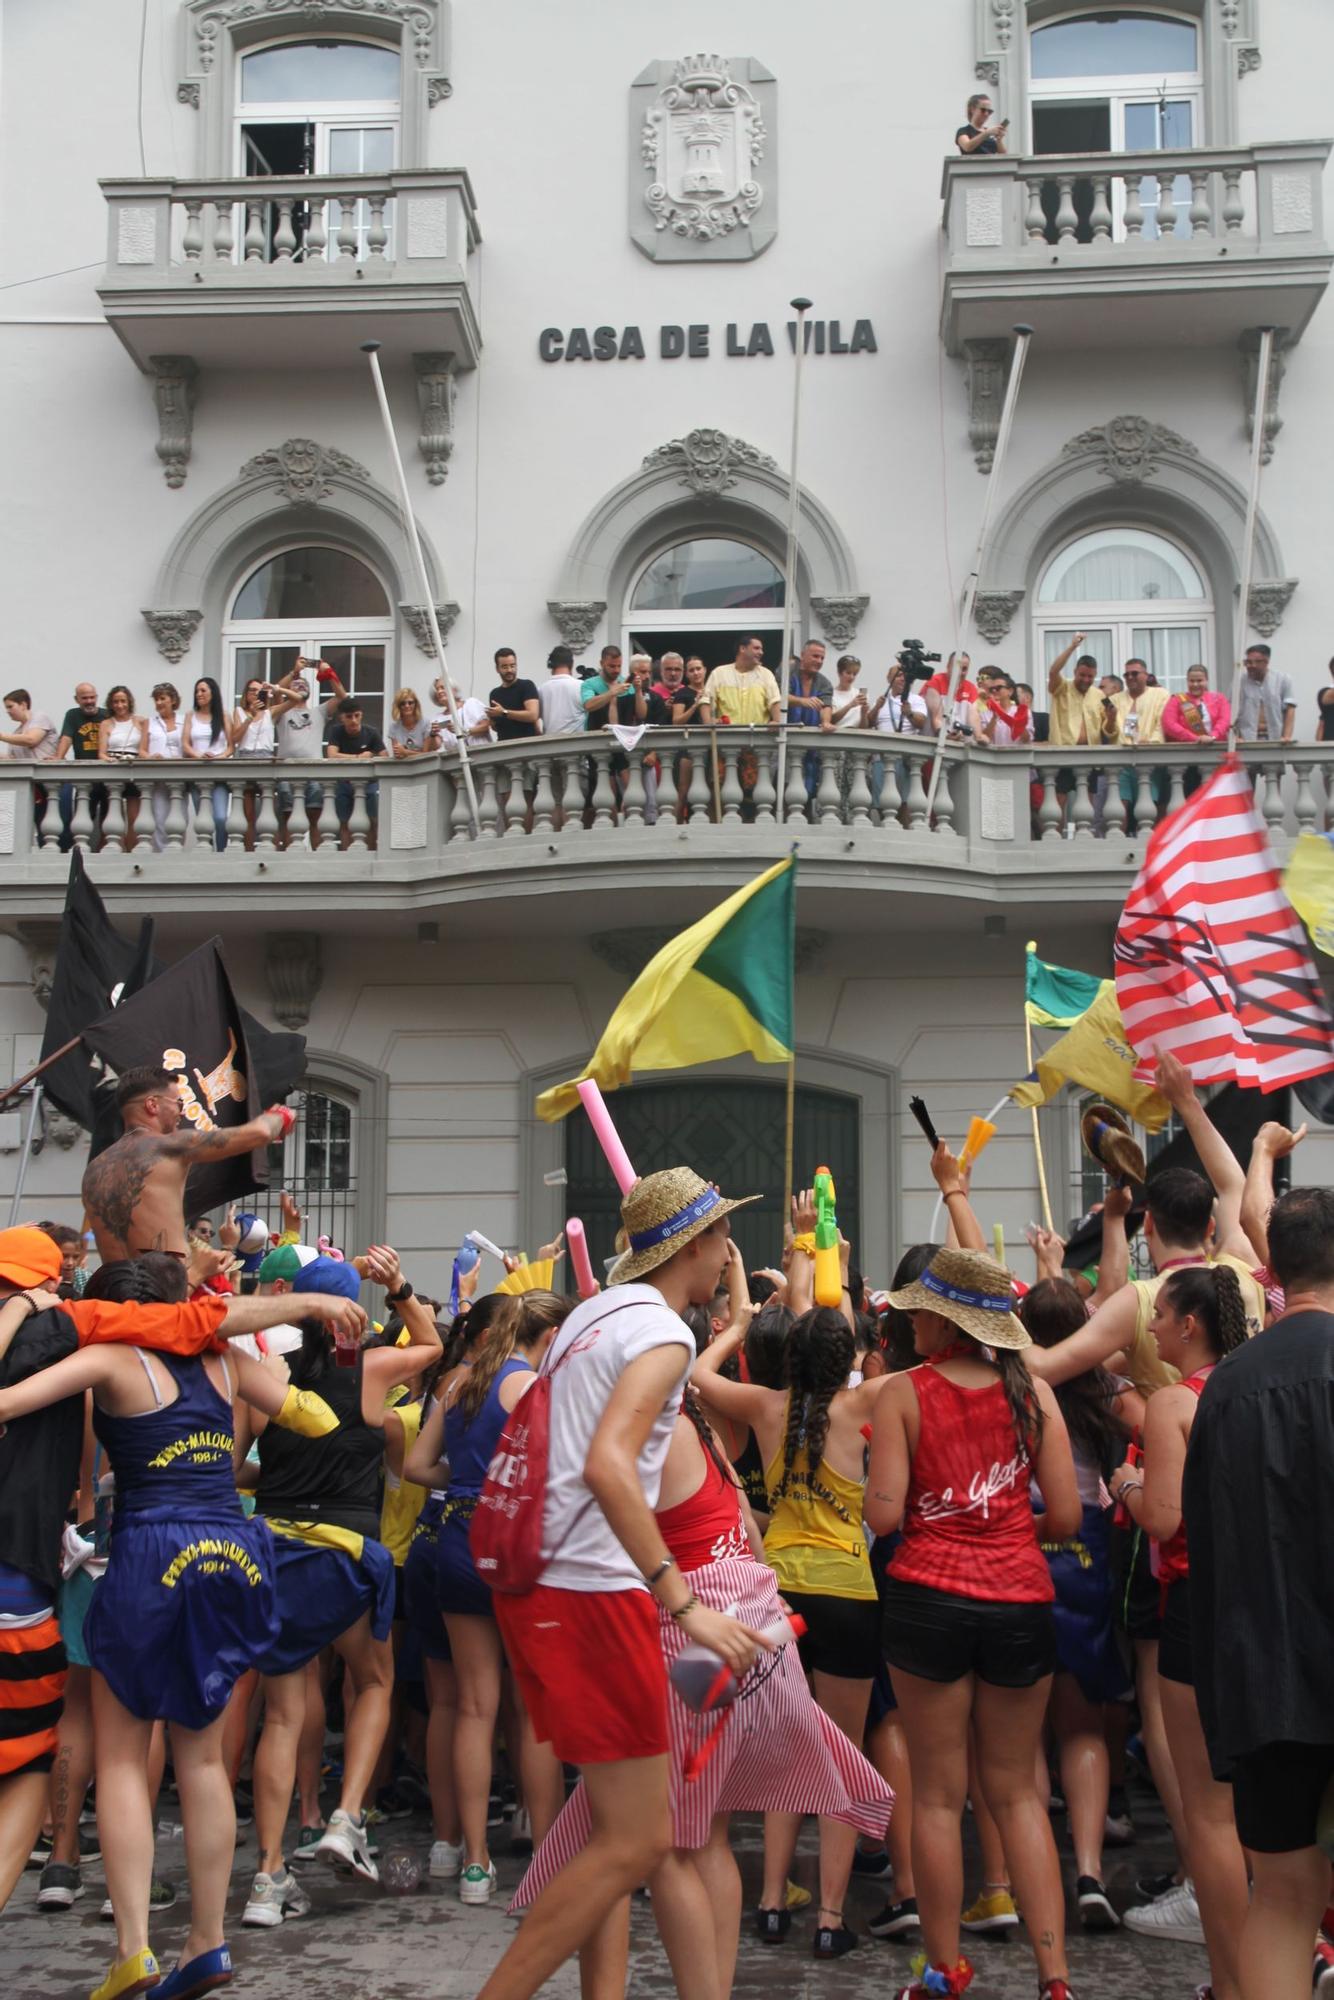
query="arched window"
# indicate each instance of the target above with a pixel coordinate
(1134, 595)
(702, 596)
(319, 108)
(1117, 81)
(318, 602)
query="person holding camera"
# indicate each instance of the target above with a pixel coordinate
(977, 136)
(253, 741)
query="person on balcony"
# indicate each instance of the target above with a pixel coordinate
(1266, 706)
(688, 708)
(410, 734)
(999, 718)
(473, 718)
(559, 697)
(299, 731)
(32, 735)
(851, 699)
(163, 740)
(900, 711)
(1138, 720)
(121, 739)
(936, 691)
(1197, 716)
(744, 693)
(1079, 715)
(78, 739)
(208, 735)
(350, 740)
(671, 677)
(977, 136)
(810, 705)
(253, 740)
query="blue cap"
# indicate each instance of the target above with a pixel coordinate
(329, 1274)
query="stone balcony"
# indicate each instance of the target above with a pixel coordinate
(565, 839)
(1072, 245)
(292, 272)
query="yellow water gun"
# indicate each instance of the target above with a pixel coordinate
(828, 1265)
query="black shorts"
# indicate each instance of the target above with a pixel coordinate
(941, 1637)
(1276, 1794)
(1174, 1663)
(842, 1635)
(1137, 1595)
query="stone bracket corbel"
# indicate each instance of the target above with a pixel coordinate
(174, 377)
(173, 631)
(577, 619)
(986, 372)
(294, 963)
(414, 617)
(435, 405)
(1278, 363)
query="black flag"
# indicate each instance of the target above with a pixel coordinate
(95, 968)
(188, 1022)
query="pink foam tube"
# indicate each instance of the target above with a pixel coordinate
(585, 1283)
(607, 1136)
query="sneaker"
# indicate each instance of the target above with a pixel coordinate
(345, 1845)
(477, 1884)
(1151, 1887)
(136, 1974)
(446, 1861)
(772, 1926)
(795, 1897)
(41, 1851)
(834, 1941)
(992, 1915)
(307, 1841)
(521, 1833)
(1056, 1989)
(1175, 1915)
(1095, 1909)
(872, 1864)
(895, 1920)
(1322, 1972)
(1119, 1828)
(273, 1899)
(202, 1974)
(59, 1887)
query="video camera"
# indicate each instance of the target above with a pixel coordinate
(916, 661)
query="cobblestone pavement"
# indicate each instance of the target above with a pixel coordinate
(362, 1944)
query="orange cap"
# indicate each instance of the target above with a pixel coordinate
(29, 1257)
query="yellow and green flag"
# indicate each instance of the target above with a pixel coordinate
(1054, 995)
(1096, 1055)
(721, 988)
(1308, 883)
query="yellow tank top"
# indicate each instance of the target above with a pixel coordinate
(403, 1501)
(814, 1540)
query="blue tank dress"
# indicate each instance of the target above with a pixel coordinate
(470, 1445)
(187, 1603)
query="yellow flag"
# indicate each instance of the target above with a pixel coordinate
(1096, 1055)
(1309, 886)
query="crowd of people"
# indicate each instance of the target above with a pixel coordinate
(964, 1544)
(307, 716)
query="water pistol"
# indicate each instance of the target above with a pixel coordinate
(828, 1265)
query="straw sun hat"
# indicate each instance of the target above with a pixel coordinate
(663, 1212)
(972, 1291)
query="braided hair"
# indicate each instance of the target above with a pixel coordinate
(1211, 1294)
(692, 1408)
(820, 1352)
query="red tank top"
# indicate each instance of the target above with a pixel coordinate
(707, 1527)
(968, 1527)
(1173, 1555)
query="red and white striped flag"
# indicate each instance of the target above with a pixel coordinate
(1212, 961)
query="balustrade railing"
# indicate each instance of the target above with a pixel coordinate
(864, 791)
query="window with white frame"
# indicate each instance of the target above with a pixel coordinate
(1117, 81)
(316, 602)
(1134, 595)
(327, 108)
(703, 596)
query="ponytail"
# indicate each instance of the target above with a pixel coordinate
(1211, 1294)
(516, 1323)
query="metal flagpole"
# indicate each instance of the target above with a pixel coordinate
(371, 349)
(789, 1129)
(1023, 335)
(1252, 511)
(26, 1154)
(800, 307)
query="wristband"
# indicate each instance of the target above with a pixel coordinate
(948, 1194)
(668, 1562)
(805, 1242)
(404, 1292)
(302, 1411)
(684, 1610)
(285, 1113)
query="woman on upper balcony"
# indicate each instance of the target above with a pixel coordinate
(1000, 717)
(164, 740)
(207, 734)
(977, 136)
(121, 738)
(1199, 715)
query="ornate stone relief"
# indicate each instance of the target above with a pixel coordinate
(300, 469)
(295, 968)
(705, 141)
(174, 393)
(173, 631)
(414, 617)
(1002, 15)
(188, 93)
(839, 617)
(1129, 449)
(42, 939)
(988, 72)
(1270, 598)
(994, 612)
(986, 367)
(710, 461)
(418, 22)
(1278, 362)
(435, 405)
(438, 88)
(577, 619)
(58, 1129)
(628, 951)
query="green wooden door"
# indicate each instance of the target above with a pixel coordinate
(732, 1133)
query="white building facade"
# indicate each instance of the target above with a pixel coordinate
(575, 233)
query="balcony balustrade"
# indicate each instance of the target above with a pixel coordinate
(292, 270)
(1095, 249)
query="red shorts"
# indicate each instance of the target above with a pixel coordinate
(589, 1666)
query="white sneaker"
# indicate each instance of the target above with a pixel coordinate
(1175, 1915)
(346, 1844)
(477, 1884)
(446, 1860)
(274, 1898)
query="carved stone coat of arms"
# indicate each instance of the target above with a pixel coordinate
(703, 183)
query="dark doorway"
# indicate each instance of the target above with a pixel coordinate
(732, 1133)
(716, 649)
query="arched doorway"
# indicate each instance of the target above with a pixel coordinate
(320, 602)
(1134, 595)
(703, 596)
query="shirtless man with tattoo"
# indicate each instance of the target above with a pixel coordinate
(134, 1192)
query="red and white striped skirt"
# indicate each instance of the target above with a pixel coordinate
(777, 1751)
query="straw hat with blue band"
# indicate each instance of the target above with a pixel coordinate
(973, 1292)
(662, 1213)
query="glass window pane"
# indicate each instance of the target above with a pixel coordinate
(311, 583)
(321, 73)
(368, 672)
(1169, 651)
(1114, 45)
(1097, 642)
(710, 575)
(377, 150)
(1119, 565)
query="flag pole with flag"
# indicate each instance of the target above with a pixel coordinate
(1093, 1054)
(1054, 997)
(721, 988)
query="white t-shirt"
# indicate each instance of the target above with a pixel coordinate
(471, 712)
(301, 734)
(561, 705)
(853, 718)
(897, 712)
(606, 1334)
